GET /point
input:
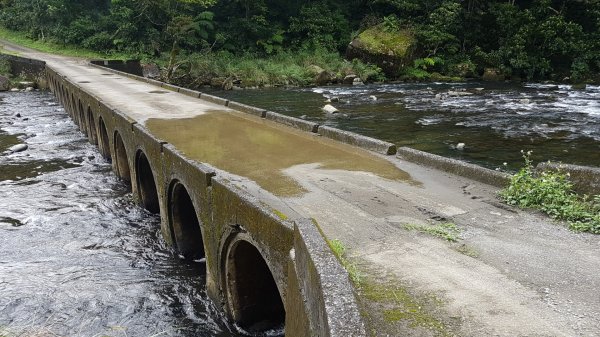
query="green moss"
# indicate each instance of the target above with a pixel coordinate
(339, 250)
(378, 40)
(448, 231)
(468, 251)
(402, 306)
(280, 215)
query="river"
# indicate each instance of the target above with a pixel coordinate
(77, 256)
(495, 121)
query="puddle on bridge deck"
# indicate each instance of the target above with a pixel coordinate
(260, 150)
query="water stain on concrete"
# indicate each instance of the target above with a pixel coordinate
(260, 150)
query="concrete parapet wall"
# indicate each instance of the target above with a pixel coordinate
(292, 121)
(227, 224)
(28, 68)
(457, 167)
(585, 179)
(321, 287)
(352, 138)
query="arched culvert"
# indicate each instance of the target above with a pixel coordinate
(91, 126)
(253, 299)
(146, 183)
(103, 143)
(185, 226)
(121, 161)
(82, 121)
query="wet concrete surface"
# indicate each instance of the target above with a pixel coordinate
(254, 148)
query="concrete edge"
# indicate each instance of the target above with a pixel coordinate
(324, 285)
(294, 122)
(457, 167)
(585, 179)
(247, 109)
(355, 139)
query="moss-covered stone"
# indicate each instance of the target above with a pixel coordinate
(390, 50)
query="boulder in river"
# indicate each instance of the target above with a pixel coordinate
(321, 76)
(390, 50)
(493, 75)
(4, 83)
(18, 148)
(349, 79)
(358, 81)
(330, 109)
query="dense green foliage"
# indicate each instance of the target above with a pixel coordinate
(552, 193)
(524, 39)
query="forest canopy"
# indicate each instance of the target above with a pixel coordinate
(535, 39)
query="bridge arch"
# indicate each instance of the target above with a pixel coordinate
(82, 122)
(103, 143)
(73, 108)
(184, 224)
(121, 159)
(92, 126)
(253, 298)
(146, 184)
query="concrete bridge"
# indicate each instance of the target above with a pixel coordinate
(255, 193)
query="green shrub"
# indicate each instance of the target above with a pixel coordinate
(552, 193)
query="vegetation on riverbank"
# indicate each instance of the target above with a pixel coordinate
(441, 39)
(552, 193)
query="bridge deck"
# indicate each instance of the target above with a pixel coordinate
(530, 277)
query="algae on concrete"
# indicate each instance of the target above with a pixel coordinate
(259, 150)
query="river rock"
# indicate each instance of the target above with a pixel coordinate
(459, 93)
(493, 75)
(4, 83)
(358, 81)
(18, 148)
(390, 50)
(460, 146)
(330, 109)
(26, 84)
(373, 98)
(150, 70)
(227, 84)
(29, 89)
(349, 79)
(14, 89)
(321, 76)
(579, 86)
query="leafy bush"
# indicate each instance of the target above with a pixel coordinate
(552, 193)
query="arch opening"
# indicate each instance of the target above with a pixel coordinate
(121, 161)
(185, 226)
(146, 184)
(92, 126)
(103, 139)
(252, 295)
(82, 121)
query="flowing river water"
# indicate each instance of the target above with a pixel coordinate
(495, 121)
(77, 256)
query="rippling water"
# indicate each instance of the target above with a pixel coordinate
(77, 256)
(495, 121)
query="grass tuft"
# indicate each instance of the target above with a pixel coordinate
(447, 231)
(339, 250)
